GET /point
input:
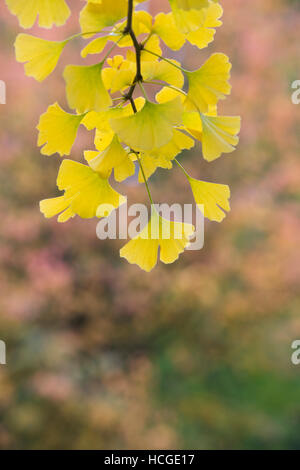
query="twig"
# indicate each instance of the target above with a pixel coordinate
(138, 48)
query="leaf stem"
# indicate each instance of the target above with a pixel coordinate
(166, 60)
(144, 178)
(92, 33)
(143, 91)
(111, 49)
(151, 82)
(139, 160)
(181, 167)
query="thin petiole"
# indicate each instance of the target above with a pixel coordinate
(111, 49)
(146, 40)
(175, 89)
(181, 167)
(92, 33)
(166, 60)
(144, 178)
(143, 91)
(168, 86)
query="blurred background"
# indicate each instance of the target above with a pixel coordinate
(197, 355)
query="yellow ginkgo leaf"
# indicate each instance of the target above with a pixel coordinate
(150, 164)
(58, 130)
(96, 46)
(165, 27)
(113, 156)
(103, 138)
(96, 16)
(179, 142)
(213, 14)
(86, 189)
(116, 61)
(141, 22)
(125, 170)
(85, 88)
(163, 71)
(40, 56)
(171, 237)
(192, 122)
(189, 19)
(152, 127)
(198, 23)
(162, 157)
(56, 205)
(119, 75)
(101, 122)
(209, 84)
(219, 135)
(211, 198)
(168, 94)
(118, 80)
(152, 45)
(142, 252)
(84, 192)
(49, 12)
(189, 4)
(208, 20)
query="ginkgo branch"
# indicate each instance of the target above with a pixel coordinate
(128, 30)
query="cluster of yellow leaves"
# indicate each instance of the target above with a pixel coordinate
(49, 12)
(150, 133)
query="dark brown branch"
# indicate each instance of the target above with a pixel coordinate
(138, 48)
(129, 17)
(133, 105)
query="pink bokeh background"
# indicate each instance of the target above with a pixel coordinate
(193, 355)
